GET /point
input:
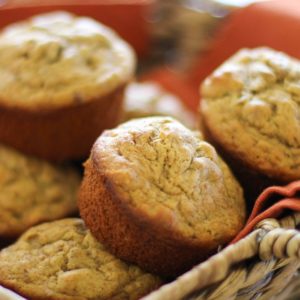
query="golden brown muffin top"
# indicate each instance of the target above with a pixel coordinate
(33, 191)
(146, 99)
(58, 59)
(251, 106)
(62, 260)
(172, 178)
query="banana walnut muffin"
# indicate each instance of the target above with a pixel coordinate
(62, 260)
(157, 195)
(61, 81)
(33, 191)
(250, 110)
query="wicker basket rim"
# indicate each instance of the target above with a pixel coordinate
(270, 239)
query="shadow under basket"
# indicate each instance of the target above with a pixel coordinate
(263, 265)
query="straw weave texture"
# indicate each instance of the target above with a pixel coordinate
(262, 265)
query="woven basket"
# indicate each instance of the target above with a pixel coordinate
(262, 265)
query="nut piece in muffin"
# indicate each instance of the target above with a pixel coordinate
(61, 82)
(148, 99)
(33, 191)
(250, 111)
(62, 260)
(157, 195)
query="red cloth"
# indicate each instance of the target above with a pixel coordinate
(272, 203)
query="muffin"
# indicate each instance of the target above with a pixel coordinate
(33, 191)
(61, 83)
(61, 260)
(149, 99)
(250, 112)
(159, 196)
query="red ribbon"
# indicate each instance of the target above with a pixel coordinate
(272, 203)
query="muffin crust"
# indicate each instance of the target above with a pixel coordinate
(33, 191)
(57, 60)
(165, 188)
(62, 260)
(250, 107)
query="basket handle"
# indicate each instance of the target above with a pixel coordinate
(279, 239)
(271, 238)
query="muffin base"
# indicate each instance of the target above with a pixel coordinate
(60, 134)
(132, 236)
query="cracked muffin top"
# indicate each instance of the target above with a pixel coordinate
(33, 191)
(57, 59)
(169, 177)
(62, 260)
(146, 99)
(250, 106)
